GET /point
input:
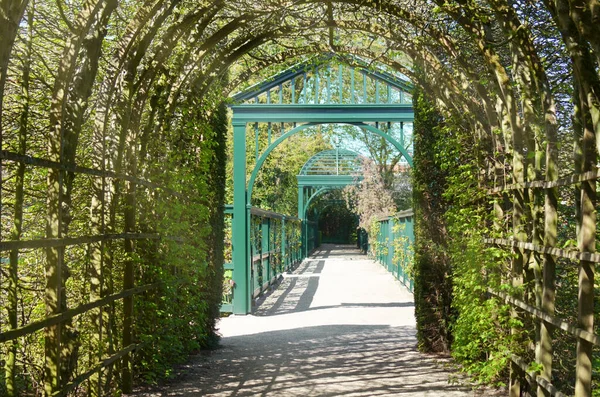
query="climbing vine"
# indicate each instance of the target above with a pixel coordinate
(432, 266)
(403, 250)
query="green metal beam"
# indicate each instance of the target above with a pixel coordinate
(326, 180)
(322, 114)
(316, 194)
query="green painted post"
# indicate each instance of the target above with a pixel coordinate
(376, 91)
(401, 264)
(301, 203)
(301, 217)
(382, 232)
(293, 91)
(239, 237)
(304, 247)
(256, 142)
(297, 249)
(382, 241)
(265, 247)
(391, 245)
(310, 235)
(252, 250)
(283, 245)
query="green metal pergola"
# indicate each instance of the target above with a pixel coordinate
(325, 171)
(306, 95)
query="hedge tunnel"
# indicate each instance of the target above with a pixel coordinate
(113, 136)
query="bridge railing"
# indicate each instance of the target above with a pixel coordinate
(392, 245)
(274, 247)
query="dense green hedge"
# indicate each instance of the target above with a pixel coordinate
(432, 271)
(453, 267)
(179, 318)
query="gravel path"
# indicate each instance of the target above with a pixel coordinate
(340, 325)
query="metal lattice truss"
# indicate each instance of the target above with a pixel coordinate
(339, 162)
(326, 171)
(329, 80)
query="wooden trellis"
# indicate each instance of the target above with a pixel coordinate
(55, 314)
(542, 309)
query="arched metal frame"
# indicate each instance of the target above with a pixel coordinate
(333, 162)
(307, 115)
(311, 115)
(303, 208)
(302, 127)
(314, 196)
(312, 186)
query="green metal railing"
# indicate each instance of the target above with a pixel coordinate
(274, 248)
(393, 245)
(313, 238)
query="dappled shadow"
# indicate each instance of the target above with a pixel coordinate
(337, 251)
(330, 360)
(296, 294)
(354, 337)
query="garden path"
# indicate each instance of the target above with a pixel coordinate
(339, 325)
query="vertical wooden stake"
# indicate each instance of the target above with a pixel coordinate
(587, 244)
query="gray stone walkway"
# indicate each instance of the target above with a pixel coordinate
(340, 325)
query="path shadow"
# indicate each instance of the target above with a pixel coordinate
(341, 251)
(328, 360)
(297, 290)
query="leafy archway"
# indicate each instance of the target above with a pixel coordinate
(337, 225)
(112, 142)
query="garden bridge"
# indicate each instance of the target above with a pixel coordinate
(318, 92)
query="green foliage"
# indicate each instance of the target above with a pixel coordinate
(482, 341)
(453, 266)
(276, 186)
(403, 250)
(337, 225)
(179, 317)
(432, 267)
(377, 248)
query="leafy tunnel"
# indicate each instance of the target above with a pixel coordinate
(114, 176)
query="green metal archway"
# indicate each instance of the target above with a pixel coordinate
(306, 95)
(325, 171)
